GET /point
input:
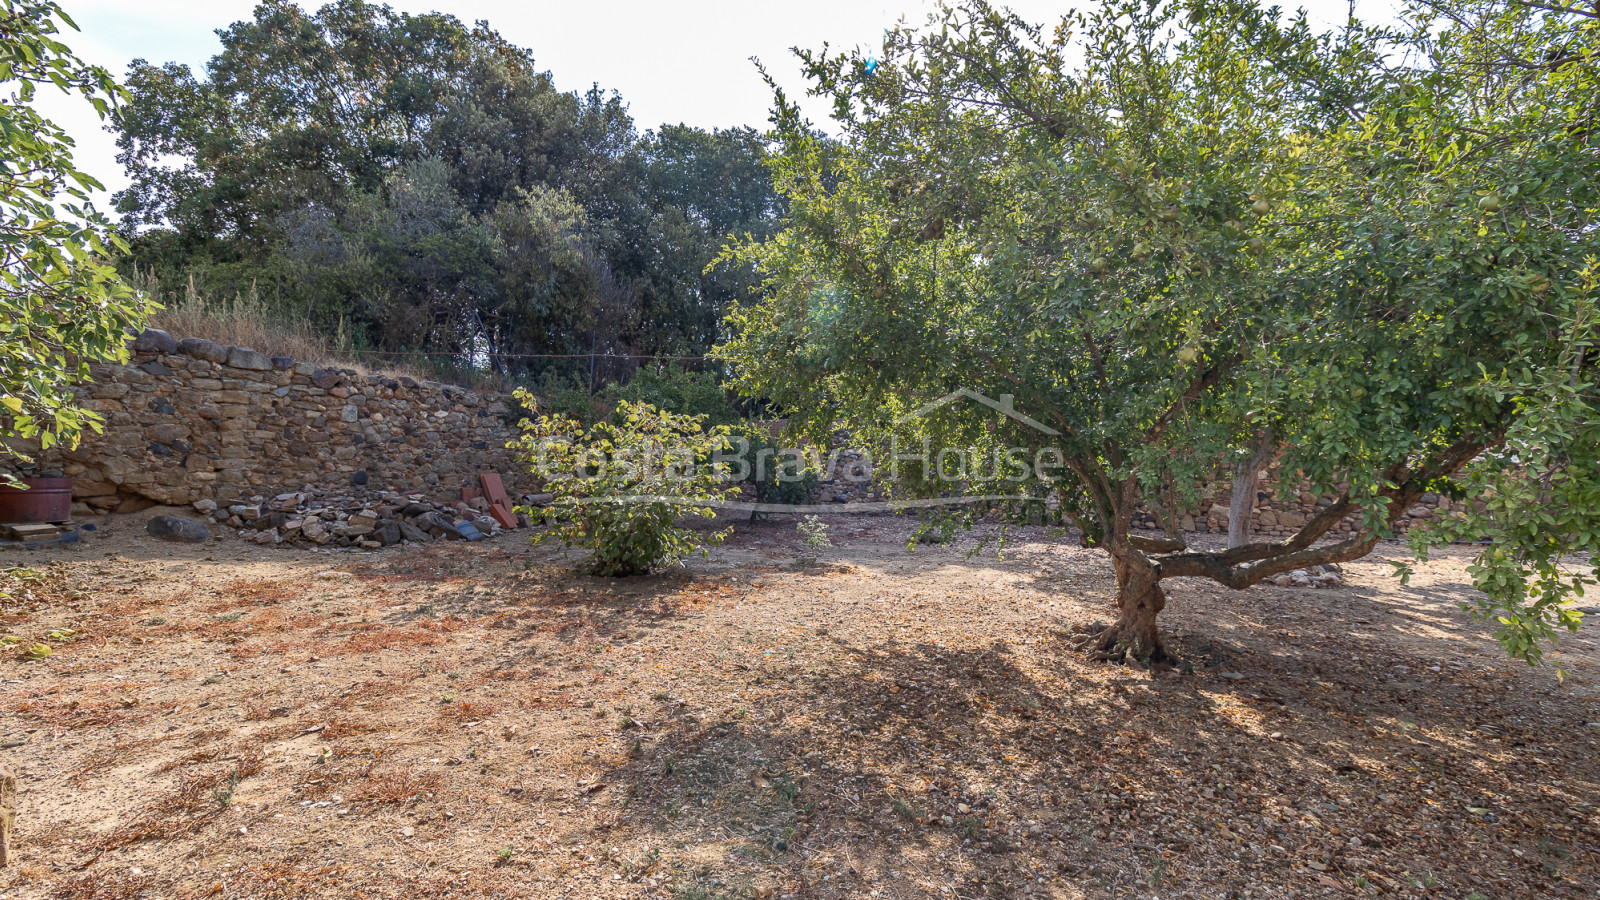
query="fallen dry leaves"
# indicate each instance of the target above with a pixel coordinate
(477, 721)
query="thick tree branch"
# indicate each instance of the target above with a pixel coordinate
(1098, 486)
(1156, 545)
(1243, 495)
(1094, 352)
(1240, 567)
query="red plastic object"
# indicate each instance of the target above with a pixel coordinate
(45, 500)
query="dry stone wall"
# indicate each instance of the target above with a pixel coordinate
(190, 420)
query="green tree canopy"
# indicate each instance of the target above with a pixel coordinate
(61, 302)
(302, 109)
(404, 175)
(1163, 228)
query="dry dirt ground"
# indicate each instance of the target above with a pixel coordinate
(477, 721)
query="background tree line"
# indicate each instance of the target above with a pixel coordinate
(417, 185)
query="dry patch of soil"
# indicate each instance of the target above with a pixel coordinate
(465, 721)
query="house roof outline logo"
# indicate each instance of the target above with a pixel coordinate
(1005, 406)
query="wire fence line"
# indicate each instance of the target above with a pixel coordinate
(475, 355)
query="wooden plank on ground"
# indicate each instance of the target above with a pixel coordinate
(30, 532)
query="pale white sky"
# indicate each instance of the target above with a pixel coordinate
(672, 60)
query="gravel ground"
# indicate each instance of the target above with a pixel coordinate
(475, 720)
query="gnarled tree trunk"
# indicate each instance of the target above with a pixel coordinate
(1139, 601)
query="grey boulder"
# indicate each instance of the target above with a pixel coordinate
(434, 522)
(326, 379)
(200, 348)
(245, 358)
(387, 534)
(172, 528)
(154, 340)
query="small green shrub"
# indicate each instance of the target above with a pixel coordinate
(621, 485)
(906, 811)
(222, 791)
(814, 533)
(941, 525)
(785, 788)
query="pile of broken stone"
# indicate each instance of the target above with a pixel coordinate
(1329, 575)
(368, 519)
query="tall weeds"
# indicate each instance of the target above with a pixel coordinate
(240, 321)
(246, 320)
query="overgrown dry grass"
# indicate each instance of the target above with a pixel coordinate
(245, 320)
(241, 321)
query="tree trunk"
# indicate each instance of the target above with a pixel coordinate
(1244, 495)
(1139, 600)
(1244, 490)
